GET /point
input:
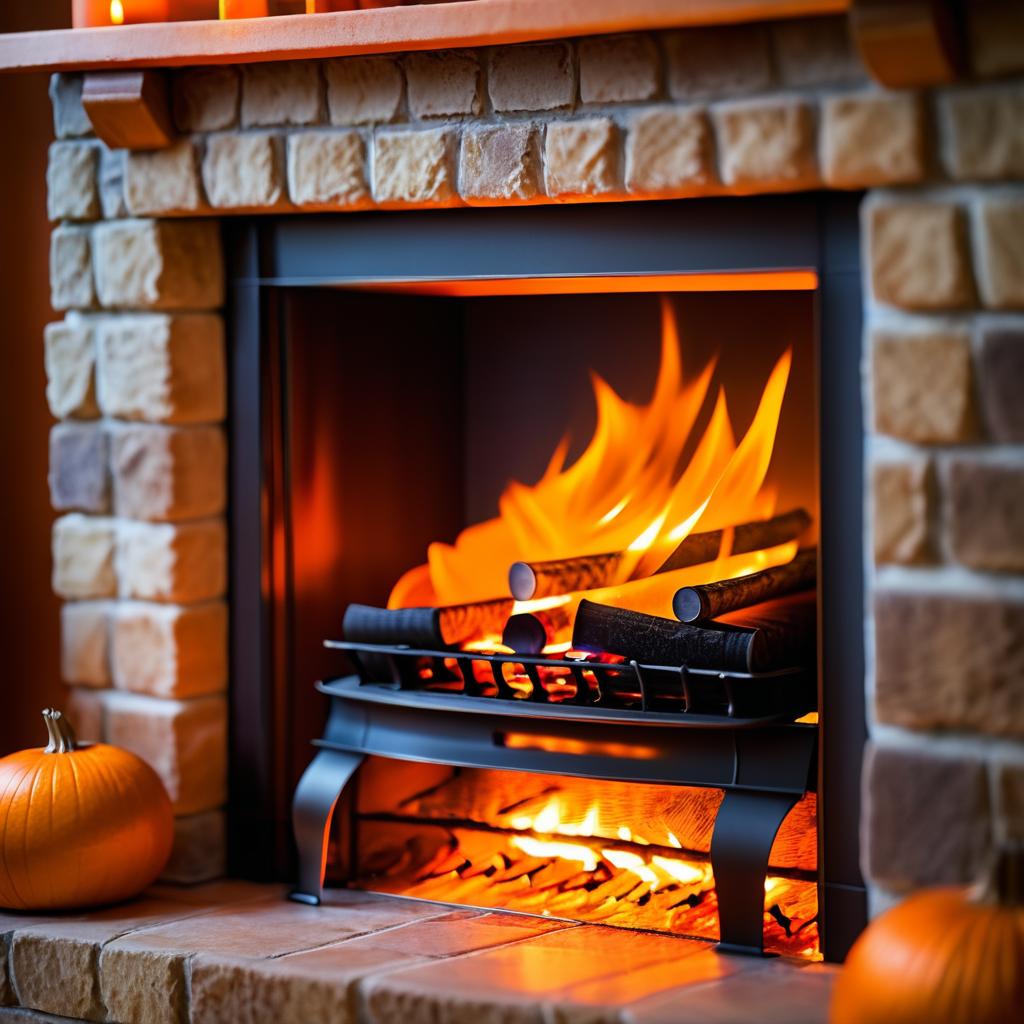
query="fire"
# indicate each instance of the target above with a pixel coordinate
(629, 491)
(116, 12)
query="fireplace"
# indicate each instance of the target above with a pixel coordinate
(462, 343)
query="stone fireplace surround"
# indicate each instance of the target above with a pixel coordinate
(136, 368)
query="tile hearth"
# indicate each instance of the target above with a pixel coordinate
(235, 951)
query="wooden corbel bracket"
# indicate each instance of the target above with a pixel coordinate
(129, 109)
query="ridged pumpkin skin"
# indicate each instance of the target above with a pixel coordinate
(937, 957)
(81, 827)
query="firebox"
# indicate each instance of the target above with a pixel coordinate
(554, 515)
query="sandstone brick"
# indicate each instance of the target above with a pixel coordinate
(162, 368)
(327, 169)
(78, 467)
(1001, 369)
(363, 90)
(985, 501)
(1000, 253)
(281, 93)
(111, 183)
(199, 852)
(917, 255)
(84, 643)
(716, 62)
(581, 157)
(181, 562)
(206, 99)
(163, 180)
(83, 556)
(983, 132)
(766, 143)
(615, 69)
(532, 77)
(244, 170)
(901, 493)
(668, 150)
(927, 818)
(69, 117)
(414, 166)
(70, 354)
(499, 162)
(185, 741)
(995, 31)
(950, 661)
(443, 83)
(168, 473)
(71, 176)
(85, 709)
(815, 51)
(873, 138)
(159, 264)
(922, 385)
(169, 650)
(71, 281)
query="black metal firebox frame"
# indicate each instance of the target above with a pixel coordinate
(763, 767)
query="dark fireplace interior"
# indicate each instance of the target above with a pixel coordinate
(384, 407)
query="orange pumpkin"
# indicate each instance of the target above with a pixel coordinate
(79, 825)
(952, 955)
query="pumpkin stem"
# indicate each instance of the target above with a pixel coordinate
(1005, 884)
(62, 736)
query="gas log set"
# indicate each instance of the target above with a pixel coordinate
(601, 704)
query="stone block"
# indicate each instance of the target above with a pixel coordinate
(617, 69)
(902, 500)
(183, 562)
(185, 741)
(1001, 369)
(147, 264)
(985, 513)
(922, 387)
(443, 83)
(160, 181)
(414, 166)
(500, 163)
(532, 77)
(873, 138)
(927, 819)
(983, 132)
(70, 356)
(205, 99)
(281, 93)
(363, 90)
(815, 51)
(162, 368)
(581, 158)
(244, 170)
(669, 150)
(85, 709)
(766, 144)
(71, 281)
(199, 853)
(950, 661)
(1000, 252)
(169, 650)
(918, 255)
(79, 477)
(168, 473)
(83, 556)
(71, 181)
(327, 169)
(995, 33)
(111, 183)
(70, 120)
(706, 63)
(85, 643)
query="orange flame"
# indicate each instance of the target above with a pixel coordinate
(116, 12)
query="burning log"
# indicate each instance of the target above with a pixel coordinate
(528, 580)
(531, 632)
(773, 635)
(709, 600)
(429, 628)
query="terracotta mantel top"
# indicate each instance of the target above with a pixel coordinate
(382, 30)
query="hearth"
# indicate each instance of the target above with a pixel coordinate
(487, 749)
